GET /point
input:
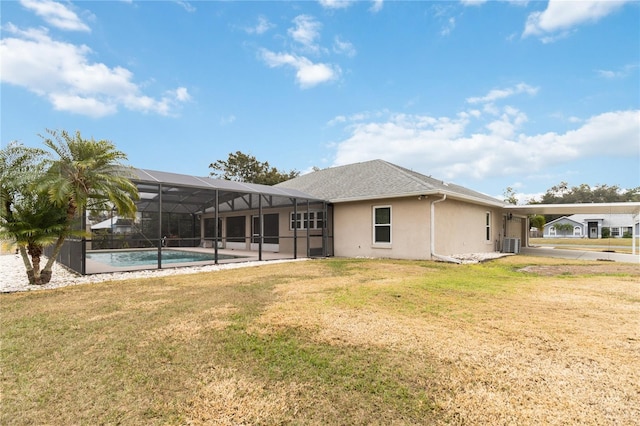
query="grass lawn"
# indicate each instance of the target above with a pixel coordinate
(334, 341)
(618, 245)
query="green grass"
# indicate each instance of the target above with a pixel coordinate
(617, 245)
(621, 242)
(169, 350)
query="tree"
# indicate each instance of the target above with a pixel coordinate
(563, 228)
(563, 194)
(510, 195)
(26, 216)
(538, 221)
(241, 167)
(43, 193)
(84, 174)
(35, 223)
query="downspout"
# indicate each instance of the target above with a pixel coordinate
(432, 234)
(633, 233)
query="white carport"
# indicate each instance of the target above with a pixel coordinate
(585, 208)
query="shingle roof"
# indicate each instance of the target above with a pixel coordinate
(615, 220)
(378, 179)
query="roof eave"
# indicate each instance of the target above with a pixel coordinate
(449, 194)
(566, 209)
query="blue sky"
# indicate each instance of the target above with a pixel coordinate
(485, 94)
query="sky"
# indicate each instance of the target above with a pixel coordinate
(484, 94)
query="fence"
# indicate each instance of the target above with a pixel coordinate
(71, 255)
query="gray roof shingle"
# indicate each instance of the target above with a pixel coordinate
(378, 179)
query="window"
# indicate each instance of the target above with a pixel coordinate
(209, 227)
(236, 229)
(552, 230)
(313, 219)
(615, 232)
(382, 225)
(488, 226)
(577, 231)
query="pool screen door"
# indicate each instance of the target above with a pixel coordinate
(271, 231)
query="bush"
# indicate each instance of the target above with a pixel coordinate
(606, 233)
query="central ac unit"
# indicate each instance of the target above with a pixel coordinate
(511, 245)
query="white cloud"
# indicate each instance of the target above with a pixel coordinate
(261, 27)
(56, 14)
(376, 6)
(620, 73)
(497, 94)
(448, 27)
(63, 74)
(92, 107)
(473, 2)
(306, 31)
(224, 121)
(335, 4)
(561, 16)
(445, 147)
(343, 47)
(180, 94)
(353, 118)
(308, 74)
(185, 5)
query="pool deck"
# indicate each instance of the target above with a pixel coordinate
(93, 267)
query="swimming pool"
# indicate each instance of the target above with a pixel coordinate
(125, 258)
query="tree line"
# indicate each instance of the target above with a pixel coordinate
(565, 194)
(583, 193)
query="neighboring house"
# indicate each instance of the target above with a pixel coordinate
(386, 211)
(590, 226)
(115, 225)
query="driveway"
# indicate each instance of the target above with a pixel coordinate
(580, 255)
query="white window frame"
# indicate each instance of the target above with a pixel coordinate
(577, 231)
(377, 225)
(488, 230)
(315, 217)
(552, 230)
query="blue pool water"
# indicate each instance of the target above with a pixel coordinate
(124, 258)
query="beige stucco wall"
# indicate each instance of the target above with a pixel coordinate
(409, 229)
(460, 228)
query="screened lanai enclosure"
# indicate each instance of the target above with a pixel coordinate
(187, 220)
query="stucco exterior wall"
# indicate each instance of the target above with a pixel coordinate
(409, 229)
(461, 228)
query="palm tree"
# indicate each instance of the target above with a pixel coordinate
(85, 174)
(34, 224)
(26, 216)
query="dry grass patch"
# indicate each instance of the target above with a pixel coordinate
(330, 342)
(528, 351)
(228, 397)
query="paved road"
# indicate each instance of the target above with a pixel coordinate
(581, 255)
